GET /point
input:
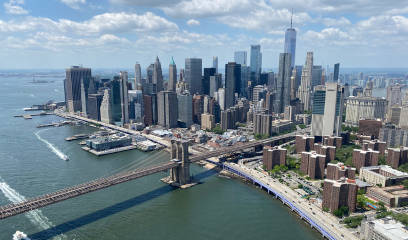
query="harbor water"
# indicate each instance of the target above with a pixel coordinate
(32, 163)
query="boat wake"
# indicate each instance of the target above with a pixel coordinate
(35, 216)
(54, 149)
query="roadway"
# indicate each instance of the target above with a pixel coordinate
(323, 219)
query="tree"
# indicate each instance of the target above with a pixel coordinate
(382, 161)
(361, 201)
(405, 183)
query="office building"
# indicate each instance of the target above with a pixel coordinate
(256, 59)
(305, 89)
(220, 97)
(73, 78)
(339, 193)
(336, 72)
(394, 97)
(397, 156)
(232, 83)
(313, 165)
(94, 106)
(273, 156)
(327, 110)
(198, 108)
(362, 158)
(172, 76)
(136, 105)
(240, 57)
(207, 121)
(138, 76)
(336, 171)
(150, 106)
(245, 81)
(317, 76)
(215, 63)
(124, 99)
(358, 108)
(215, 84)
(157, 75)
(167, 110)
(185, 109)
(258, 93)
(193, 75)
(106, 107)
(394, 137)
(290, 43)
(282, 97)
(208, 73)
(382, 176)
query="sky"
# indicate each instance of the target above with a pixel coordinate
(56, 34)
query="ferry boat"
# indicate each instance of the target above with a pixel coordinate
(65, 157)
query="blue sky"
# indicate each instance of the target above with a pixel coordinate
(118, 33)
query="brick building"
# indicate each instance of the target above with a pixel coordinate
(313, 164)
(375, 145)
(397, 156)
(369, 127)
(392, 196)
(273, 156)
(328, 151)
(338, 193)
(332, 141)
(362, 158)
(335, 171)
(304, 143)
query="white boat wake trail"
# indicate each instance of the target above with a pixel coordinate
(55, 150)
(35, 216)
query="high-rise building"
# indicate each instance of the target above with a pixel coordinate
(256, 59)
(158, 75)
(124, 100)
(198, 108)
(185, 106)
(172, 76)
(167, 109)
(74, 76)
(339, 193)
(220, 97)
(116, 99)
(149, 73)
(305, 89)
(312, 164)
(327, 110)
(193, 74)
(282, 97)
(136, 105)
(106, 107)
(335, 171)
(273, 156)
(215, 84)
(358, 108)
(232, 83)
(365, 158)
(138, 76)
(208, 73)
(317, 76)
(240, 57)
(336, 72)
(94, 106)
(290, 43)
(215, 63)
(207, 121)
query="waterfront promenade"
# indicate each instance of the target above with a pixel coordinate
(324, 222)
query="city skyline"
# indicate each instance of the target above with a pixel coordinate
(119, 33)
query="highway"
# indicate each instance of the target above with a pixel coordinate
(325, 220)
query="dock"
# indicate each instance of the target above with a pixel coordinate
(77, 137)
(109, 151)
(54, 124)
(34, 114)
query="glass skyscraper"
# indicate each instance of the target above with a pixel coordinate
(256, 59)
(240, 57)
(290, 43)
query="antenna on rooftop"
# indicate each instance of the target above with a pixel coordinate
(291, 17)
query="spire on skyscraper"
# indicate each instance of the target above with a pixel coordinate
(291, 17)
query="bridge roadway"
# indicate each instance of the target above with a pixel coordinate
(74, 191)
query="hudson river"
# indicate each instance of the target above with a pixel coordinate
(31, 164)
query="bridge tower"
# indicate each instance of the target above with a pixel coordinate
(180, 175)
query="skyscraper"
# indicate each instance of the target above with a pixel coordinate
(157, 75)
(317, 76)
(193, 74)
(124, 100)
(290, 43)
(215, 84)
(336, 72)
(327, 110)
(185, 106)
(73, 86)
(240, 57)
(232, 83)
(208, 72)
(172, 76)
(305, 89)
(256, 59)
(167, 109)
(138, 76)
(106, 109)
(282, 98)
(215, 63)
(94, 106)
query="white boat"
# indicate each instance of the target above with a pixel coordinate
(20, 236)
(66, 158)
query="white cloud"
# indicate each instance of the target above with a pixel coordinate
(193, 22)
(147, 3)
(73, 3)
(99, 24)
(14, 7)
